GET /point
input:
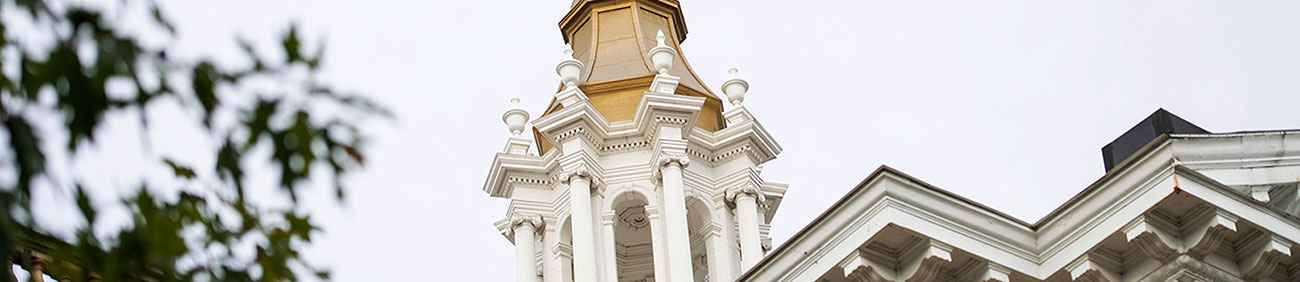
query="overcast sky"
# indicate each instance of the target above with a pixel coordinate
(1005, 102)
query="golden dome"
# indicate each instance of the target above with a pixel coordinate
(611, 39)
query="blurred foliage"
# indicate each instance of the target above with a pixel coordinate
(193, 235)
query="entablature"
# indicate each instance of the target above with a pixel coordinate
(656, 111)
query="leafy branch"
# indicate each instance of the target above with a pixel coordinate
(195, 236)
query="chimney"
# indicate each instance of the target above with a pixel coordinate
(1158, 123)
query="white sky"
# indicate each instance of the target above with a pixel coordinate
(1005, 102)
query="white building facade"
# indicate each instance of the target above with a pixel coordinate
(640, 174)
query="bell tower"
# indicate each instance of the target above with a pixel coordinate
(639, 174)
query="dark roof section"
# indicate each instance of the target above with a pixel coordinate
(1158, 123)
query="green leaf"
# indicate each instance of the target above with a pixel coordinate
(300, 226)
(251, 52)
(82, 100)
(179, 170)
(27, 152)
(31, 79)
(292, 46)
(323, 275)
(205, 77)
(161, 20)
(258, 122)
(313, 62)
(228, 167)
(83, 203)
(35, 7)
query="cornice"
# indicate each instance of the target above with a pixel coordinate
(747, 138)
(581, 120)
(509, 170)
(584, 121)
(773, 192)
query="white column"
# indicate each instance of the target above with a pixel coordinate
(719, 266)
(584, 244)
(679, 245)
(657, 243)
(525, 230)
(727, 248)
(751, 248)
(611, 255)
(550, 259)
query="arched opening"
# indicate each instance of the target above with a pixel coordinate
(566, 250)
(699, 223)
(633, 250)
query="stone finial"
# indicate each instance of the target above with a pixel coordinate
(735, 87)
(515, 117)
(661, 55)
(570, 69)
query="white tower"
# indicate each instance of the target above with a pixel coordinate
(640, 175)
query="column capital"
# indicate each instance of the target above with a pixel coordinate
(530, 220)
(574, 173)
(666, 160)
(751, 190)
(580, 172)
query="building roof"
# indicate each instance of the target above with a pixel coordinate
(1034, 246)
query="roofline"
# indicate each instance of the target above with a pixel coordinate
(1238, 133)
(1161, 141)
(1122, 168)
(880, 171)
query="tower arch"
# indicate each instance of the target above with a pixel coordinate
(702, 225)
(633, 244)
(564, 251)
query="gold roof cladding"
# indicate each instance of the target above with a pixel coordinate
(611, 39)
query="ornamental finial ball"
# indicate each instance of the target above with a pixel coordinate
(570, 69)
(735, 87)
(515, 117)
(662, 55)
